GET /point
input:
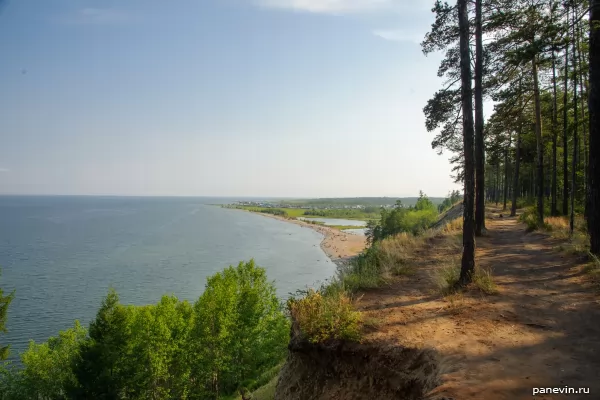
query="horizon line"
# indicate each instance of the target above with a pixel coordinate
(207, 196)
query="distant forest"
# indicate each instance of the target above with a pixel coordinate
(363, 201)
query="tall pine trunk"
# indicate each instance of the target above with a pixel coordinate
(479, 142)
(538, 136)
(575, 132)
(553, 207)
(582, 158)
(516, 187)
(593, 214)
(565, 199)
(506, 171)
(586, 136)
(497, 191)
(468, 255)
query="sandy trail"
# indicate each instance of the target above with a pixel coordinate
(541, 330)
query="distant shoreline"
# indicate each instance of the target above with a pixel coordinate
(338, 245)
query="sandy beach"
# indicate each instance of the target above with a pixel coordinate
(338, 245)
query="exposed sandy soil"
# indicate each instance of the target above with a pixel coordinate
(338, 245)
(541, 330)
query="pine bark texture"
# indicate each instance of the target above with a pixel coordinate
(593, 215)
(468, 256)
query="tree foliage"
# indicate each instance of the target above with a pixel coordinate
(413, 219)
(228, 338)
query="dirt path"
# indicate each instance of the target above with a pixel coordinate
(541, 330)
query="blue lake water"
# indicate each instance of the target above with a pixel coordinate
(61, 254)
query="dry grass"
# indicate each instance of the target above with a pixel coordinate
(395, 253)
(558, 223)
(559, 228)
(456, 303)
(484, 280)
(446, 278)
(326, 317)
(593, 269)
(455, 225)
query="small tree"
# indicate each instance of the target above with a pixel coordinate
(4, 303)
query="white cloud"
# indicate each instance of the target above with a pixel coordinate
(329, 6)
(4, 170)
(95, 16)
(398, 35)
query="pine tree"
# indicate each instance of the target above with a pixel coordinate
(100, 367)
(479, 122)
(593, 214)
(4, 303)
(468, 256)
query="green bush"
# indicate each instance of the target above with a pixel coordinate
(529, 218)
(414, 220)
(323, 317)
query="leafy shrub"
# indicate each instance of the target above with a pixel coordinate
(529, 218)
(323, 317)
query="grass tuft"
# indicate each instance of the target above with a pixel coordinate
(455, 225)
(456, 303)
(446, 279)
(266, 392)
(593, 269)
(484, 281)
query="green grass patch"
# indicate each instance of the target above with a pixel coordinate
(289, 212)
(261, 389)
(300, 212)
(266, 392)
(344, 227)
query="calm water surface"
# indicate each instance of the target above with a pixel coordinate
(61, 254)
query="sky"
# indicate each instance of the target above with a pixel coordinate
(292, 98)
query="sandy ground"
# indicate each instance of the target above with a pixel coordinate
(541, 330)
(338, 245)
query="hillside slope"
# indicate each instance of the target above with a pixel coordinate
(540, 330)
